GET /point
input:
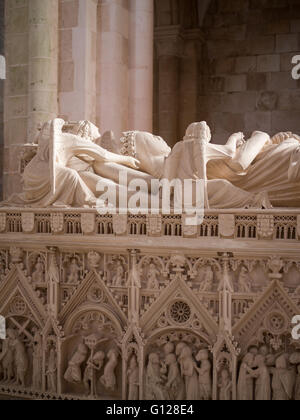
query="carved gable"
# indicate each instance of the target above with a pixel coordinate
(17, 297)
(178, 307)
(92, 292)
(272, 312)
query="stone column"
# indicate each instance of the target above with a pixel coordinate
(190, 79)
(43, 63)
(169, 50)
(77, 67)
(112, 66)
(141, 45)
(31, 48)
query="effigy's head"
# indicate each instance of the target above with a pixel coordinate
(198, 131)
(86, 130)
(141, 143)
(150, 150)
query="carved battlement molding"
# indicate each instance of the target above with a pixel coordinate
(268, 225)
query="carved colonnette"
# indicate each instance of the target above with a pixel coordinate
(122, 312)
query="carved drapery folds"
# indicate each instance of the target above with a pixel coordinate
(147, 325)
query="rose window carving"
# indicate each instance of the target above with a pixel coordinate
(180, 312)
(276, 323)
(96, 295)
(18, 306)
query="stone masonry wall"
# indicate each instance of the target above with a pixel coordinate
(247, 83)
(1, 93)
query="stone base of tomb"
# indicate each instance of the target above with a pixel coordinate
(105, 307)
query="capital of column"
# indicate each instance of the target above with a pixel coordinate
(169, 41)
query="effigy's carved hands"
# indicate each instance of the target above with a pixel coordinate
(131, 162)
(240, 139)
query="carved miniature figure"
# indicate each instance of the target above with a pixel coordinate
(205, 381)
(20, 357)
(154, 379)
(51, 371)
(38, 275)
(283, 380)
(263, 379)
(7, 358)
(243, 282)
(174, 385)
(37, 357)
(189, 372)
(119, 278)
(152, 276)
(245, 386)
(74, 374)
(208, 280)
(109, 379)
(94, 364)
(74, 270)
(133, 379)
(225, 386)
